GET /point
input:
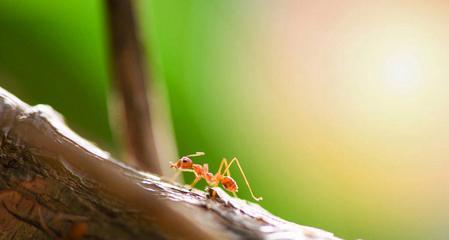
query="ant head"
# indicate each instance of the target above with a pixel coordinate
(183, 163)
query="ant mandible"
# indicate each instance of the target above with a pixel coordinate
(185, 164)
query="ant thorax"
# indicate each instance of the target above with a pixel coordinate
(203, 171)
(197, 169)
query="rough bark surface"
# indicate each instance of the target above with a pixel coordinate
(56, 185)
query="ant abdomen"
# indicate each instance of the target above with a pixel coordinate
(229, 184)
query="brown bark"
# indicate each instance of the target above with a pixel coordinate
(131, 79)
(56, 185)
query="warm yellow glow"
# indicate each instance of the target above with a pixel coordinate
(352, 97)
(403, 71)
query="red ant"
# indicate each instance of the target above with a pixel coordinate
(185, 164)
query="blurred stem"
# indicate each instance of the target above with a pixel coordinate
(129, 81)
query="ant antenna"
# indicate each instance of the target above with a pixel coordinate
(244, 177)
(197, 154)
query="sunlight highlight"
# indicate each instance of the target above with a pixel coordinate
(403, 71)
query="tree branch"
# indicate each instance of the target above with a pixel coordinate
(130, 83)
(55, 183)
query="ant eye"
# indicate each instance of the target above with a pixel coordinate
(185, 160)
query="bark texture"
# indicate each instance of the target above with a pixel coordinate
(56, 185)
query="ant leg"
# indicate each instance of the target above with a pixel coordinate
(195, 182)
(244, 177)
(223, 162)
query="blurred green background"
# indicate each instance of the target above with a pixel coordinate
(337, 111)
